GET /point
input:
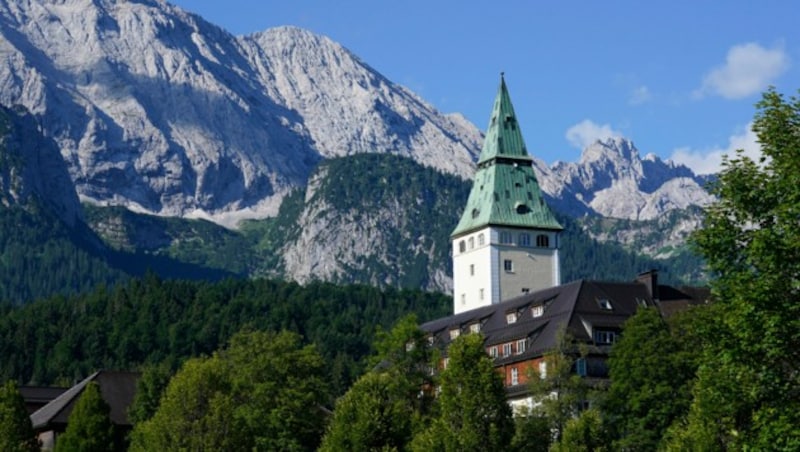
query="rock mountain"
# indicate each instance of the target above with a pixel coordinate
(156, 110)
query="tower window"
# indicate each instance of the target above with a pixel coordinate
(481, 294)
(508, 265)
(524, 239)
(471, 242)
(472, 269)
(462, 246)
(481, 239)
(542, 241)
(505, 237)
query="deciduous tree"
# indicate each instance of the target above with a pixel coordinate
(263, 392)
(748, 390)
(384, 408)
(16, 431)
(473, 414)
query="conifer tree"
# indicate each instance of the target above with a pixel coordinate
(89, 428)
(16, 431)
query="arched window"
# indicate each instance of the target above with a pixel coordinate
(481, 240)
(462, 246)
(471, 242)
(542, 241)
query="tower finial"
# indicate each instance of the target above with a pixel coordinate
(502, 74)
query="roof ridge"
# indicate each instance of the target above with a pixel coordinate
(42, 416)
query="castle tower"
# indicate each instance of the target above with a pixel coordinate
(506, 242)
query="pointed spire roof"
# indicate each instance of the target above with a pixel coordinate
(503, 135)
(505, 191)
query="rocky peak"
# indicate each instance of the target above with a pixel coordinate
(157, 110)
(611, 179)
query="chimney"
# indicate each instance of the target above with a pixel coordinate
(650, 280)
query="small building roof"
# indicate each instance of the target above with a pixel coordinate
(116, 387)
(505, 191)
(38, 396)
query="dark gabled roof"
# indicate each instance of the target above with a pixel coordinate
(117, 388)
(674, 300)
(576, 306)
(38, 396)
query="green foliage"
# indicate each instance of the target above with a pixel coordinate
(585, 434)
(16, 431)
(747, 392)
(472, 412)
(149, 321)
(652, 368)
(384, 408)
(149, 388)
(198, 242)
(374, 414)
(89, 428)
(265, 391)
(40, 256)
(558, 393)
(532, 431)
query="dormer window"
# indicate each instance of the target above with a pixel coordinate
(605, 304)
(604, 337)
(511, 317)
(521, 346)
(475, 328)
(454, 333)
(537, 310)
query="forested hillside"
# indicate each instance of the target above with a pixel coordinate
(149, 320)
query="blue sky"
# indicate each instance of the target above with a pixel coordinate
(679, 78)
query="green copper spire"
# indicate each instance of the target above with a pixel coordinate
(503, 137)
(505, 191)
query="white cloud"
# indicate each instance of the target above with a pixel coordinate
(710, 161)
(640, 95)
(748, 69)
(587, 132)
